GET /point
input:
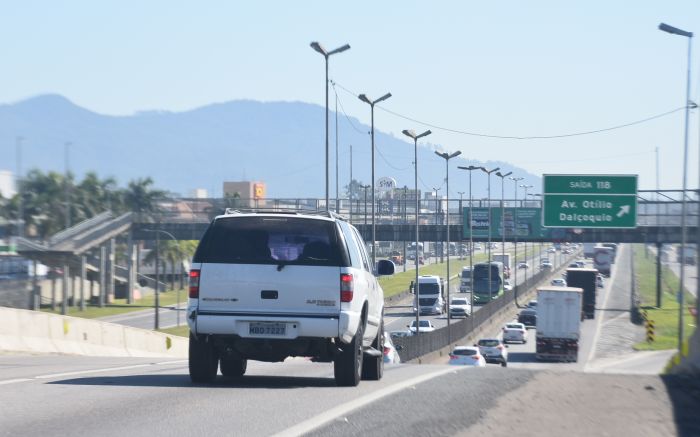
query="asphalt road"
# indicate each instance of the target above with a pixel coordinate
(400, 314)
(68, 395)
(81, 396)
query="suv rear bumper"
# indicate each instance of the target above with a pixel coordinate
(296, 325)
(343, 325)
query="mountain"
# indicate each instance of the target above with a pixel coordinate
(280, 143)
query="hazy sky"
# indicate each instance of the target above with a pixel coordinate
(510, 68)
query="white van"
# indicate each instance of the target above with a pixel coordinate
(430, 298)
(465, 280)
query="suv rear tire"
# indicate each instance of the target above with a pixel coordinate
(202, 360)
(233, 367)
(373, 367)
(347, 365)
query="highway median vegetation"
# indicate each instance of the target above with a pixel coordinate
(665, 319)
(119, 306)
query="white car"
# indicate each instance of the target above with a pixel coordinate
(267, 286)
(494, 350)
(467, 356)
(390, 351)
(523, 265)
(532, 304)
(558, 282)
(460, 307)
(507, 286)
(425, 326)
(514, 332)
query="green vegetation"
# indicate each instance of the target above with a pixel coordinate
(182, 331)
(399, 282)
(665, 318)
(44, 197)
(119, 306)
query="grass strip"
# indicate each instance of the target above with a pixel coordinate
(665, 318)
(119, 306)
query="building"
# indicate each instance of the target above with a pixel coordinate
(245, 193)
(7, 184)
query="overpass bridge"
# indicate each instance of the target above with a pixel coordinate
(90, 246)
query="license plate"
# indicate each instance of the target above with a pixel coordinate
(264, 328)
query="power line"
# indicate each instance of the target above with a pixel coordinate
(597, 158)
(513, 137)
(333, 83)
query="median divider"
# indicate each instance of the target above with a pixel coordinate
(429, 346)
(39, 332)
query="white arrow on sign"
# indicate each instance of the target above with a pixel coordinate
(624, 209)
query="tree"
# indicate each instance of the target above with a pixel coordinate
(354, 190)
(139, 197)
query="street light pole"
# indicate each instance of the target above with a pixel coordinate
(527, 266)
(66, 187)
(405, 221)
(681, 298)
(436, 222)
(447, 157)
(416, 288)
(157, 296)
(471, 237)
(503, 209)
(371, 103)
(19, 181)
(515, 237)
(461, 216)
(319, 48)
(488, 208)
(364, 187)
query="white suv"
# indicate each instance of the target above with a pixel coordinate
(267, 286)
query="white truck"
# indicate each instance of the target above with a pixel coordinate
(505, 259)
(558, 323)
(602, 259)
(465, 280)
(431, 295)
(588, 250)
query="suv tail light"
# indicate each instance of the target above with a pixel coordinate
(194, 283)
(453, 357)
(499, 347)
(347, 287)
(476, 357)
(386, 350)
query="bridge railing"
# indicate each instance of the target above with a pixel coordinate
(654, 208)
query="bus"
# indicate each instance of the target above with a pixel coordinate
(481, 288)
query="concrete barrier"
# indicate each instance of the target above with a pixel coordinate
(38, 332)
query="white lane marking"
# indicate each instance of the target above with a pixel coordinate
(596, 335)
(323, 418)
(12, 381)
(83, 372)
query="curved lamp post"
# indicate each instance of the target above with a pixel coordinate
(326, 54)
(371, 103)
(415, 138)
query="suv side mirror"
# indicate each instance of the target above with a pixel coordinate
(385, 267)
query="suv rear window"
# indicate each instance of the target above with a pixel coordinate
(488, 343)
(464, 352)
(271, 240)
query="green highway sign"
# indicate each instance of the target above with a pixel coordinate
(589, 201)
(527, 221)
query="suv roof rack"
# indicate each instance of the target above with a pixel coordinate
(319, 212)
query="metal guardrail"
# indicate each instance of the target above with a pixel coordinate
(654, 208)
(103, 232)
(78, 228)
(415, 346)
